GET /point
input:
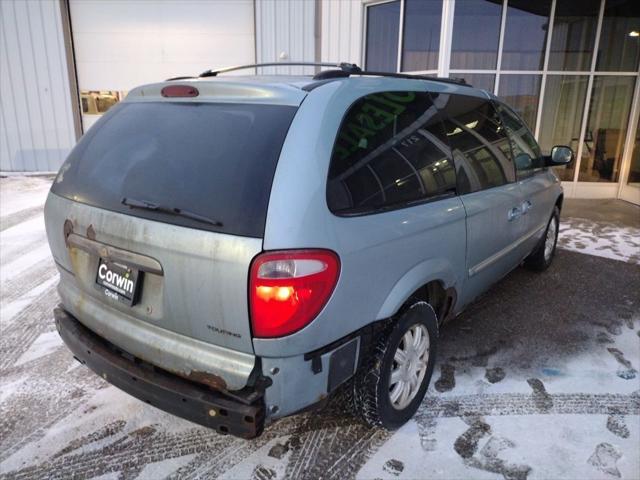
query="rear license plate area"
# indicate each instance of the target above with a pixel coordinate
(118, 281)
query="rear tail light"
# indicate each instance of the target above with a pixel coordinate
(288, 289)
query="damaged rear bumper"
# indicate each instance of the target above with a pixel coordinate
(160, 388)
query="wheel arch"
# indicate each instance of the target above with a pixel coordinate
(432, 281)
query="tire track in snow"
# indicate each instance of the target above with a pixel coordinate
(334, 448)
(22, 265)
(524, 404)
(8, 255)
(16, 287)
(33, 320)
(45, 397)
(19, 217)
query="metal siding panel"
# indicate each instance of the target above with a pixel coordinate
(341, 31)
(285, 26)
(37, 123)
(140, 41)
(35, 57)
(30, 86)
(17, 101)
(47, 106)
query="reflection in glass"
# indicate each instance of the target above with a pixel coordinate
(383, 22)
(473, 47)
(525, 34)
(574, 33)
(606, 128)
(483, 81)
(562, 110)
(421, 34)
(634, 169)
(619, 48)
(522, 143)
(521, 92)
(391, 150)
(480, 145)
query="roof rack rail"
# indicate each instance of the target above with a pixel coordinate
(327, 74)
(186, 77)
(350, 68)
(344, 70)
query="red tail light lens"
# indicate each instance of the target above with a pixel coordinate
(288, 289)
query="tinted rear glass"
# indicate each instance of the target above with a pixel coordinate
(213, 160)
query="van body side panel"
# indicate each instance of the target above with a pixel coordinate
(378, 252)
(541, 190)
(494, 247)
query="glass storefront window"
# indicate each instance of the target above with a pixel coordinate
(606, 129)
(561, 119)
(619, 48)
(574, 34)
(383, 23)
(525, 34)
(421, 35)
(521, 92)
(472, 47)
(485, 81)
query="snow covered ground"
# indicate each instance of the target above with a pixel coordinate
(538, 379)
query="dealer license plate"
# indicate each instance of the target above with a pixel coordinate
(117, 281)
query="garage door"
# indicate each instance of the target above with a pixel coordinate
(121, 44)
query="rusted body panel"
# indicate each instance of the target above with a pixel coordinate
(161, 389)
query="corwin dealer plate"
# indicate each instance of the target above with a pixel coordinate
(117, 281)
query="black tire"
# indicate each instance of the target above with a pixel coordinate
(371, 398)
(537, 261)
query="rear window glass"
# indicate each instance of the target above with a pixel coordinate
(212, 161)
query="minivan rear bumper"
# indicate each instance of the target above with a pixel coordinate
(160, 388)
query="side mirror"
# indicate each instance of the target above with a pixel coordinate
(560, 155)
(523, 162)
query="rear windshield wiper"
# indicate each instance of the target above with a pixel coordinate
(143, 204)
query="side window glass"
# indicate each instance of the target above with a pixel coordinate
(527, 156)
(480, 145)
(389, 152)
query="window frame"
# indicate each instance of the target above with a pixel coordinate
(366, 211)
(366, 5)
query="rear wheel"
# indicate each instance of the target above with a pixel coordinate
(391, 386)
(540, 259)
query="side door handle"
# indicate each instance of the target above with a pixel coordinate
(514, 213)
(526, 206)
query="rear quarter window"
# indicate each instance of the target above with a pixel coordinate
(389, 154)
(214, 160)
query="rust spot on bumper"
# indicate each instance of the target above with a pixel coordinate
(208, 379)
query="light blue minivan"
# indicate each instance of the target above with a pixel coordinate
(236, 249)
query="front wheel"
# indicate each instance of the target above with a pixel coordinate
(541, 257)
(391, 386)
